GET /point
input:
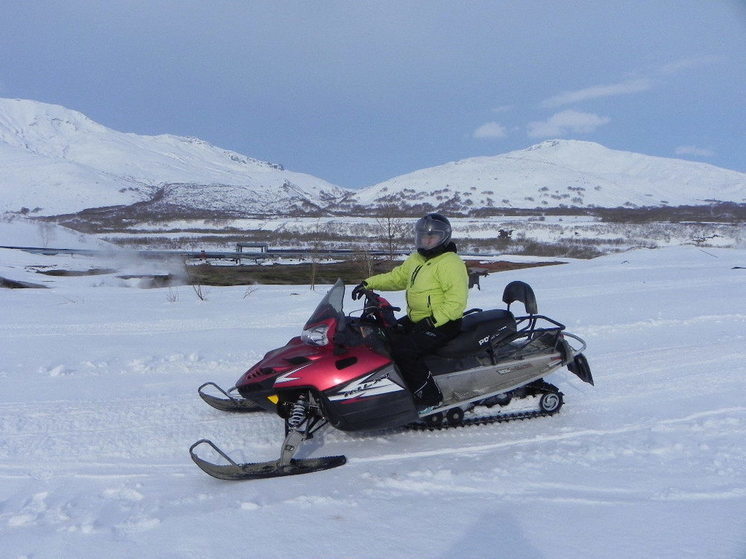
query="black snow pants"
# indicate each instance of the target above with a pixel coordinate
(410, 342)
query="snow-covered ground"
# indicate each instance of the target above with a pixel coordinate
(98, 408)
(567, 231)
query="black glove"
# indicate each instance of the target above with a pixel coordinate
(359, 291)
(425, 325)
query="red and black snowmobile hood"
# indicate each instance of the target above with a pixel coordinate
(301, 365)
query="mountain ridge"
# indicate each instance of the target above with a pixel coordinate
(58, 161)
(564, 173)
(43, 146)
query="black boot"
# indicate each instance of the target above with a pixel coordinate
(428, 395)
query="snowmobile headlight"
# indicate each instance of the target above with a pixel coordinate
(316, 335)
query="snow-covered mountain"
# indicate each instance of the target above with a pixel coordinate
(57, 161)
(560, 173)
(61, 161)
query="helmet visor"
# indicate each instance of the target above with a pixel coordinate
(428, 240)
(429, 234)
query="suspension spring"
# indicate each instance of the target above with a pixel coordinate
(298, 413)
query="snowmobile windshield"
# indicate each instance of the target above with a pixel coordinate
(330, 306)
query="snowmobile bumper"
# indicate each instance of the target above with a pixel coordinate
(232, 404)
(261, 470)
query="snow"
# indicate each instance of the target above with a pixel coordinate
(567, 232)
(98, 408)
(572, 173)
(56, 161)
(19, 231)
(60, 161)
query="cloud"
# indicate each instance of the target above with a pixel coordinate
(595, 92)
(490, 130)
(502, 109)
(688, 63)
(694, 151)
(630, 86)
(566, 122)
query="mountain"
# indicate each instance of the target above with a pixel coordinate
(560, 173)
(55, 160)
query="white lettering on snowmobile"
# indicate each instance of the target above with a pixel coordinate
(363, 388)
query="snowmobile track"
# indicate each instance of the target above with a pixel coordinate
(497, 418)
(539, 388)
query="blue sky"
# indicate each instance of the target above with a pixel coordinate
(360, 92)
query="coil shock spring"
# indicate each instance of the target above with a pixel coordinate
(298, 412)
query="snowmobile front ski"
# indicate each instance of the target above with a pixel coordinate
(301, 423)
(261, 470)
(229, 403)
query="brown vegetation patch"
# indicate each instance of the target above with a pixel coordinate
(351, 272)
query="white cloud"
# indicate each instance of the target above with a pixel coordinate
(502, 109)
(566, 122)
(694, 151)
(630, 86)
(688, 63)
(491, 130)
(595, 92)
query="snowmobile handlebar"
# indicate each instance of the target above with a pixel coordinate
(373, 299)
(379, 309)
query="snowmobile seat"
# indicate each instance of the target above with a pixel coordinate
(479, 330)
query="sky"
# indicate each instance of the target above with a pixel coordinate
(360, 92)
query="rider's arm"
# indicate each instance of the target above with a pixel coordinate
(394, 280)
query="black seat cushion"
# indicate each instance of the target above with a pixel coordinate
(478, 330)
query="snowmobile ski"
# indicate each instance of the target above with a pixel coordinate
(235, 471)
(229, 403)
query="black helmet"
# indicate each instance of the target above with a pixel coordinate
(432, 234)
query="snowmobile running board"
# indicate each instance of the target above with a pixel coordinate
(261, 470)
(229, 403)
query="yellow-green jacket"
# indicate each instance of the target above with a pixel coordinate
(437, 287)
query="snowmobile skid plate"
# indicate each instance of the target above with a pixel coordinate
(229, 403)
(261, 470)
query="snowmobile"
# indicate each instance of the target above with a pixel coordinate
(339, 373)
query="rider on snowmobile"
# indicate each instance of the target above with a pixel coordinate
(436, 283)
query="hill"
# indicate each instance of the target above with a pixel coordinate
(58, 161)
(560, 173)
